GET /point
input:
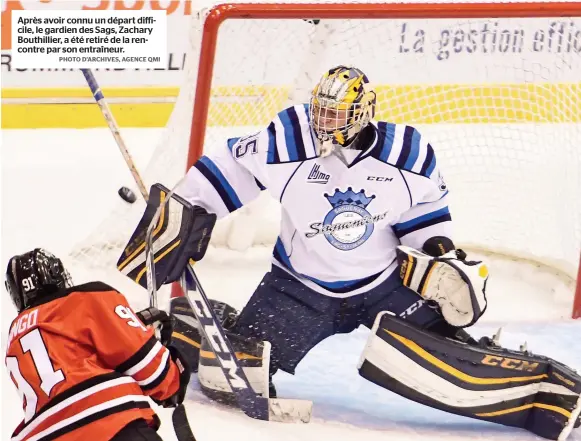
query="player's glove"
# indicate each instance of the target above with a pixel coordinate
(457, 285)
(185, 373)
(161, 320)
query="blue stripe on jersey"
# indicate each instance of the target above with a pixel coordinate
(432, 166)
(410, 149)
(337, 287)
(429, 163)
(348, 285)
(414, 151)
(272, 156)
(231, 143)
(406, 147)
(213, 174)
(378, 147)
(289, 135)
(426, 220)
(388, 141)
(280, 254)
(298, 133)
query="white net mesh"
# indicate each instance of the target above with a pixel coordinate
(499, 100)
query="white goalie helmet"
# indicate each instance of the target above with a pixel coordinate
(342, 104)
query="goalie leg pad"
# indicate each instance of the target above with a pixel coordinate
(254, 358)
(182, 233)
(512, 388)
(186, 335)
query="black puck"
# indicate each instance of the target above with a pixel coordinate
(127, 195)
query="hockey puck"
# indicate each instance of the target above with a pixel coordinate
(127, 195)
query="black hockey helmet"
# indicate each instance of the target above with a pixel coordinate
(33, 275)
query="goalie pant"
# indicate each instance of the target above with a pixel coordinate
(294, 318)
(291, 319)
(100, 361)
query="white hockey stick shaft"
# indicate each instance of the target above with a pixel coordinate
(250, 403)
(100, 99)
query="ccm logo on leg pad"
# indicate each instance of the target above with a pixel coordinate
(509, 363)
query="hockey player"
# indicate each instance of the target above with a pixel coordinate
(365, 239)
(83, 362)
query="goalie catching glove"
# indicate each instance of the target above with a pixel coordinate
(182, 233)
(457, 285)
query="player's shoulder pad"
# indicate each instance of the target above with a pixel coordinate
(92, 292)
(93, 288)
(404, 147)
(290, 138)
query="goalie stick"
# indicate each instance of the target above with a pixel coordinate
(249, 402)
(253, 405)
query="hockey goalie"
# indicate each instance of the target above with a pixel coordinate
(365, 240)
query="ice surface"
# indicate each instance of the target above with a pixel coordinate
(57, 185)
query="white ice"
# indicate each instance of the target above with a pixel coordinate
(57, 185)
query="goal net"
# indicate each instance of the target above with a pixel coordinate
(495, 88)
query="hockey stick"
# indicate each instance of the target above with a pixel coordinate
(100, 99)
(253, 405)
(150, 260)
(181, 425)
(179, 418)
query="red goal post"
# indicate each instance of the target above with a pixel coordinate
(217, 15)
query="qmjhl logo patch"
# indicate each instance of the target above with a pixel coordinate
(316, 176)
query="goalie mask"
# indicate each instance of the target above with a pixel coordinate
(342, 104)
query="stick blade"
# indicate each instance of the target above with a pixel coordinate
(289, 410)
(181, 424)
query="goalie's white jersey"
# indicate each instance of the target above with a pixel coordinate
(342, 215)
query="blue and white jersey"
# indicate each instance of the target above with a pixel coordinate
(342, 215)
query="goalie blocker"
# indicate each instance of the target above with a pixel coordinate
(482, 381)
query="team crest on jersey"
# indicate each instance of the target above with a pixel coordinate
(348, 224)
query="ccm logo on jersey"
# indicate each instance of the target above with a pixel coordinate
(379, 178)
(509, 363)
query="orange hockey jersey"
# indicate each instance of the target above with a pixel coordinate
(83, 362)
